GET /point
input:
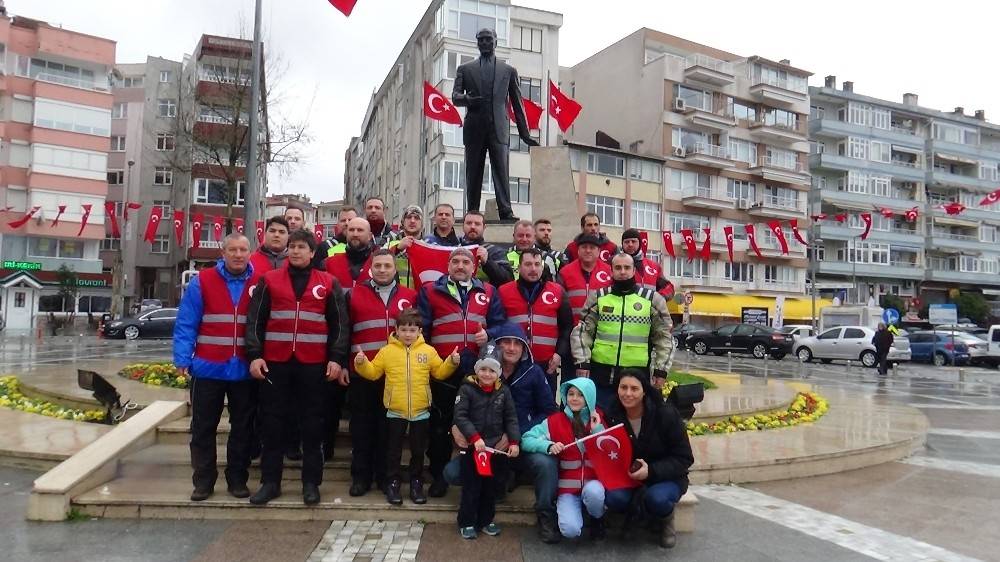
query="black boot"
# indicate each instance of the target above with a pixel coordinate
(597, 532)
(359, 488)
(238, 490)
(668, 536)
(266, 493)
(310, 493)
(548, 530)
(202, 493)
(438, 488)
(417, 492)
(294, 453)
(392, 494)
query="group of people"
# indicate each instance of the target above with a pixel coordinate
(287, 335)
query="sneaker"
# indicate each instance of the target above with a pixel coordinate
(468, 532)
(417, 495)
(392, 494)
(492, 529)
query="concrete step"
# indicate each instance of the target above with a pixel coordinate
(179, 432)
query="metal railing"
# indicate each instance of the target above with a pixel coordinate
(68, 81)
(708, 150)
(775, 202)
(705, 192)
(902, 130)
(711, 63)
(914, 165)
(782, 163)
(795, 86)
(950, 236)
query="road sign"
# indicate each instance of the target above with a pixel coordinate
(890, 316)
(942, 314)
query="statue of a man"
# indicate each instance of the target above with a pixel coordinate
(484, 86)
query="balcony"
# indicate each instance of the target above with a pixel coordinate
(704, 118)
(784, 133)
(967, 242)
(706, 198)
(80, 83)
(771, 206)
(966, 270)
(833, 128)
(941, 177)
(831, 161)
(705, 283)
(711, 155)
(781, 170)
(778, 91)
(779, 286)
(708, 70)
(770, 248)
(893, 270)
(836, 231)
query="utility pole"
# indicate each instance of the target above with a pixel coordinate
(251, 203)
(118, 275)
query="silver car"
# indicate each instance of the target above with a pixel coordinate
(978, 347)
(849, 343)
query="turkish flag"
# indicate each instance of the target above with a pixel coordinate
(260, 232)
(27, 217)
(706, 246)
(155, 214)
(819, 217)
(644, 241)
(62, 209)
(775, 227)
(668, 243)
(238, 225)
(532, 113)
(217, 227)
(319, 232)
(130, 207)
(953, 208)
(886, 212)
(689, 243)
(912, 214)
(196, 222)
(840, 218)
(86, 216)
(611, 454)
(794, 223)
(436, 106)
(109, 209)
(345, 6)
(562, 108)
(484, 461)
(179, 226)
(992, 198)
(728, 229)
(752, 238)
(867, 218)
(429, 261)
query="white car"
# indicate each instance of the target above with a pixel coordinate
(798, 331)
(849, 343)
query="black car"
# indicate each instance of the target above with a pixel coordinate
(681, 332)
(742, 338)
(158, 323)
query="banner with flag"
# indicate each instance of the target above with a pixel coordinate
(689, 245)
(62, 209)
(238, 225)
(867, 219)
(484, 462)
(436, 106)
(130, 207)
(532, 113)
(429, 261)
(260, 232)
(775, 227)
(179, 226)
(991, 198)
(728, 229)
(706, 247)
(109, 210)
(954, 208)
(217, 227)
(155, 214)
(610, 452)
(86, 217)
(752, 239)
(345, 6)
(562, 108)
(668, 243)
(27, 217)
(197, 219)
(912, 214)
(643, 241)
(794, 223)
(886, 212)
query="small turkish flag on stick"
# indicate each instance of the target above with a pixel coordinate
(436, 106)
(562, 108)
(610, 452)
(155, 214)
(484, 462)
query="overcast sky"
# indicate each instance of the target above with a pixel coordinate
(945, 54)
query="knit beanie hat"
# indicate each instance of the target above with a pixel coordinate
(490, 357)
(631, 233)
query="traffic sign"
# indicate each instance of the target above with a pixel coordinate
(890, 316)
(942, 314)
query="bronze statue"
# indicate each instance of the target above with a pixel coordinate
(484, 86)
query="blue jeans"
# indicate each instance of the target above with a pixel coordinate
(659, 501)
(544, 470)
(570, 514)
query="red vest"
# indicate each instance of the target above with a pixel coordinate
(540, 319)
(574, 468)
(647, 274)
(223, 326)
(451, 325)
(372, 321)
(261, 264)
(338, 266)
(577, 287)
(607, 251)
(297, 327)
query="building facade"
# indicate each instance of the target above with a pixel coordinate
(404, 157)
(55, 129)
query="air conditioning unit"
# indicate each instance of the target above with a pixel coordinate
(680, 104)
(680, 152)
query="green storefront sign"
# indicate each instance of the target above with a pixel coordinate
(23, 265)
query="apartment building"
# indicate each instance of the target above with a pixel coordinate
(327, 214)
(732, 134)
(55, 129)
(405, 158)
(871, 153)
(279, 203)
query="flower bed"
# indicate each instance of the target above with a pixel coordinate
(156, 374)
(676, 378)
(806, 407)
(11, 397)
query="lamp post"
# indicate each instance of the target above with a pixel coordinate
(252, 197)
(118, 276)
(813, 267)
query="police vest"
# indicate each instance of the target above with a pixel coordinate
(297, 327)
(577, 287)
(372, 321)
(623, 324)
(647, 274)
(340, 268)
(574, 467)
(338, 248)
(540, 319)
(223, 326)
(453, 326)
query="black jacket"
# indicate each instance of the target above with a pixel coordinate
(662, 441)
(882, 341)
(486, 415)
(488, 116)
(497, 269)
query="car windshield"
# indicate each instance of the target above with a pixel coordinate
(788, 329)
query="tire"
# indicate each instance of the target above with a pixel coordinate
(677, 343)
(131, 332)
(940, 359)
(805, 354)
(759, 350)
(825, 361)
(868, 358)
(699, 347)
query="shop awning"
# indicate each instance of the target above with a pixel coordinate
(731, 306)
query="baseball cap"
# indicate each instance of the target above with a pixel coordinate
(582, 239)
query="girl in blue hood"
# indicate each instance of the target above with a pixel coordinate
(578, 484)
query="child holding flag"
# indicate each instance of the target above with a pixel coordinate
(484, 411)
(558, 435)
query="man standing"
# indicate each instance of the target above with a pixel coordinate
(382, 232)
(883, 342)
(444, 226)
(208, 345)
(456, 310)
(524, 239)
(543, 241)
(374, 306)
(543, 312)
(295, 217)
(297, 338)
(352, 266)
(493, 266)
(584, 276)
(485, 86)
(273, 253)
(647, 272)
(622, 326)
(590, 224)
(338, 243)
(412, 229)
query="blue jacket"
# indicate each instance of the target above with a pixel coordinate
(528, 385)
(495, 316)
(189, 320)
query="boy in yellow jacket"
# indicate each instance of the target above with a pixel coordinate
(408, 364)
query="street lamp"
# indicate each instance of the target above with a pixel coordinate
(118, 271)
(813, 267)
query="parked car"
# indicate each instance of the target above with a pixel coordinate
(798, 331)
(157, 323)
(758, 341)
(938, 348)
(978, 347)
(680, 334)
(850, 343)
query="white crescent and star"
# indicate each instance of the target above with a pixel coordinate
(197, 225)
(430, 103)
(316, 290)
(555, 102)
(603, 277)
(547, 295)
(402, 304)
(612, 454)
(250, 290)
(177, 223)
(650, 271)
(482, 458)
(482, 299)
(604, 255)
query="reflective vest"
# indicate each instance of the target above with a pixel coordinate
(453, 326)
(623, 324)
(647, 274)
(297, 327)
(340, 268)
(539, 319)
(549, 261)
(223, 326)
(338, 248)
(574, 467)
(578, 287)
(372, 321)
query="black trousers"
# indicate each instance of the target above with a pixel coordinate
(208, 397)
(333, 408)
(368, 429)
(883, 363)
(439, 446)
(475, 162)
(296, 390)
(478, 504)
(418, 447)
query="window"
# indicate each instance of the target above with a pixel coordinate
(453, 176)
(781, 197)
(70, 117)
(165, 208)
(119, 111)
(464, 19)
(645, 170)
(118, 143)
(161, 244)
(739, 230)
(761, 74)
(687, 138)
(116, 177)
(880, 151)
(111, 243)
(858, 148)
(164, 76)
(453, 60)
(520, 190)
(531, 88)
(743, 192)
(164, 142)
(645, 215)
(698, 99)
(610, 210)
(781, 158)
(132, 82)
(830, 334)
(516, 144)
(741, 110)
(92, 304)
(677, 222)
(988, 171)
(987, 233)
(167, 108)
(881, 186)
(781, 118)
(163, 176)
(743, 151)
(879, 222)
(680, 267)
(685, 180)
(526, 38)
(55, 248)
(606, 164)
(953, 133)
(59, 73)
(739, 272)
(215, 192)
(55, 303)
(779, 274)
(51, 159)
(853, 334)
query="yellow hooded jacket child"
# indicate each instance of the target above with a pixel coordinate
(407, 375)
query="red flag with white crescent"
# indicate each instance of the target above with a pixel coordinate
(179, 226)
(689, 245)
(436, 106)
(217, 227)
(644, 241)
(197, 220)
(109, 210)
(668, 243)
(867, 219)
(842, 217)
(62, 209)
(912, 214)
(24, 220)
(85, 218)
(818, 218)
(728, 229)
(238, 225)
(611, 454)
(794, 223)
(532, 113)
(428, 262)
(130, 207)
(953, 208)
(319, 232)
(991, 198)
(345, 6)
(260, 232)
(775, 227)
(706, 247)
(562, 108)
(886, 212)
(155, 214)
(484, 462)
(752, 239)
